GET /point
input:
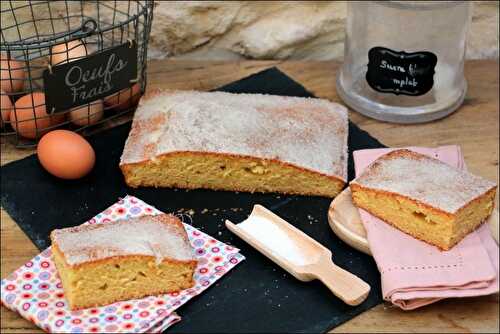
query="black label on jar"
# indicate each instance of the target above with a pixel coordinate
(88, 79)
(400, 72)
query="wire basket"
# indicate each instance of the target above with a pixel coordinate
(37, 35)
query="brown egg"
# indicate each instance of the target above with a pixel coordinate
(6, 107)
(66, 154)
(67, 52)
(87, 114)
(22, 117)
(125, 98)
(12, 75)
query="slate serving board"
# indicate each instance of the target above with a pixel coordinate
(257, 296)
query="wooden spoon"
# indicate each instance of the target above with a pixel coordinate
(346, 286)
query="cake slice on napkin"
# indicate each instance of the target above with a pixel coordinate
(424, 197)
(238, 142)
(44, 303)
(415, 273)
(126, 259)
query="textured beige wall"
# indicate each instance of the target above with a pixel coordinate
(262, 29)
(278, 29)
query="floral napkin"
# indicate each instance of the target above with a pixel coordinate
(35, 291)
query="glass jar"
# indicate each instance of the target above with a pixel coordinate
(404, 60)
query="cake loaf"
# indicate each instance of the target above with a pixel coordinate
(424, 197)
(104, 263)
(239, 142)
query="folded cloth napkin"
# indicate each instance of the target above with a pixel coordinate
(415, 273)
(35, 291)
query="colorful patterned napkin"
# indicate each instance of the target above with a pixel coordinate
(414, 273)
(35, 291)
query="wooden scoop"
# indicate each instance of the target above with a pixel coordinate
(318, 264)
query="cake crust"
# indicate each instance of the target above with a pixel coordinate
(77, 252)
(127, 169)
(372, 179)
(76, 304)
(414, 193)
(305, 134)
(100, 264)
(112, 259)
(356, 187)
(444, 214)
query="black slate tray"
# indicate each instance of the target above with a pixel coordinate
(257, 296)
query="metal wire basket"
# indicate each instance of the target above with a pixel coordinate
(36, 35)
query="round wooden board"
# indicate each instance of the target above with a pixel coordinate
(345, 222)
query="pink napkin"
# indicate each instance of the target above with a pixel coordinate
(35, 291)
(414, 273)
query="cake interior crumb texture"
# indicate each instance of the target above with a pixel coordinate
(424, 197)
(239, 142)
(104, 263)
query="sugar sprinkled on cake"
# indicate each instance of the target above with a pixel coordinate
(425, 179)
(161, 236)
(306, 132)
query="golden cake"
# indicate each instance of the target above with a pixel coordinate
(239, 142)
(104, 263)
(424, 197)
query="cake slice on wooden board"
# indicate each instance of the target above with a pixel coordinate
(239, 142)
(104, 263)
(424, 197)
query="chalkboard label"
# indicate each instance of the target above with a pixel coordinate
(403, 73)
(90, 78)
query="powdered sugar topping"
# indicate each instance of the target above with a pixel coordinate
(161, 236)
(424, 179)
(308, 133)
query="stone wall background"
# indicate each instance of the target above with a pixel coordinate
(278, 30)
(232, 30)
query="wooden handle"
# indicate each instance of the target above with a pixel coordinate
(346, 286)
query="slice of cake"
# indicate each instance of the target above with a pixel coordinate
(239, 142)
(424, 197)
(104, 263)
